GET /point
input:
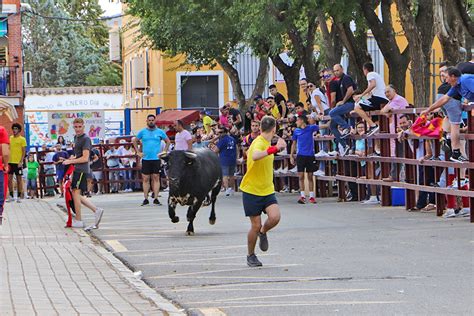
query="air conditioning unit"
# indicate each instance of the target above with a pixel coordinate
(138, 73)
(28, 79)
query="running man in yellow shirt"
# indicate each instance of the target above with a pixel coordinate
(258, 192)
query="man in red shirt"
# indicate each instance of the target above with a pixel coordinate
(4, 157)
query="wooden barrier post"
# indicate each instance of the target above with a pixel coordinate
(385, 166)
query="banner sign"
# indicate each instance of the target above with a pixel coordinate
(60, 124)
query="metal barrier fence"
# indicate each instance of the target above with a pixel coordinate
(348, 170)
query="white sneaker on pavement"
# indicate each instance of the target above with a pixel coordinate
(229, 192)
(98, 216)
(451, 213)
(77, 224)
(465, 212)
(372, 200)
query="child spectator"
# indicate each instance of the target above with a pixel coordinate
(32, 176)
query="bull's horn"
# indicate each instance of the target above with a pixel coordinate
(190, 155)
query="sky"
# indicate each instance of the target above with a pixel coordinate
(111, 7)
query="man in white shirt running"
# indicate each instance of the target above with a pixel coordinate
(372, 99)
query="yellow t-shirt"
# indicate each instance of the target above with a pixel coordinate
(258, 180)
(275, 112)
(207, 122)
(16, 147)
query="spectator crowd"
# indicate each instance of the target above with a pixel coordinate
(335, 119)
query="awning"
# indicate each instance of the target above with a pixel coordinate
(3, 28)
(171, 116)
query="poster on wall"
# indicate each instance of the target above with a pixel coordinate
(60, 124)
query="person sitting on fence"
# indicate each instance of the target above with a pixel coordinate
(32, 176)
(344, 105)
(461, 85)
(113, 162)
(372, 99)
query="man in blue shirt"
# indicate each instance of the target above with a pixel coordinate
(151, 138)
(303, 142)
(461, 85)
(227, 149)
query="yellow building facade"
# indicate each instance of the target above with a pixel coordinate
(153, 80)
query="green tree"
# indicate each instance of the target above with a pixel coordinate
(204, 31)
(60, 52)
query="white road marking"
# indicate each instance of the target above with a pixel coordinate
(212, 312)
(174, 251)
(193, 260)
(116, 245)
(211, 289)
(325, 303)
(214, 271)
(228, 300)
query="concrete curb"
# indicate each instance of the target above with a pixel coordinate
(125, 273)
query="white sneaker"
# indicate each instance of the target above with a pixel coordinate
(89, 228)
(285, 189)
(333, 153)
(451, 213)
(372, 200)
(77, 224)
(10, 199)
(229, 191)
(294, 170)
(98, 216)
(277, 171)
(319, 173)
(18, 200)
(465, 212)
(321, 153)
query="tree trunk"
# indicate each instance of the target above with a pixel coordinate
(358, 54)
(465, 16)
(234, 80)
(450, 32)
(332, 42)
(419, 33)
(259, 82)
(237, 86)
(384, 34)
(291, 75)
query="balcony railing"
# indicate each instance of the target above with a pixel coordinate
(9, 81)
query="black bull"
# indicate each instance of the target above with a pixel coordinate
(195, 179)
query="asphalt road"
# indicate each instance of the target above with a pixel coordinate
(329, 258)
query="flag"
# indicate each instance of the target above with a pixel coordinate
(425, 127)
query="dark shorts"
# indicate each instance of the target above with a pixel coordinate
(151, 167)
(254, 205)
(79, 181)
(60, 175)
(373, 104)
(306, 164)
(13, 169)
(228, 171)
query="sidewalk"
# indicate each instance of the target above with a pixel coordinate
(46, 269)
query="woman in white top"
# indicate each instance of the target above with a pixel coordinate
(318, 99)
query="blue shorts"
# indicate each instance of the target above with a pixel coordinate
(60, 175)
(228, 170)
(254, 205)
(454, 110)
(31, 184)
